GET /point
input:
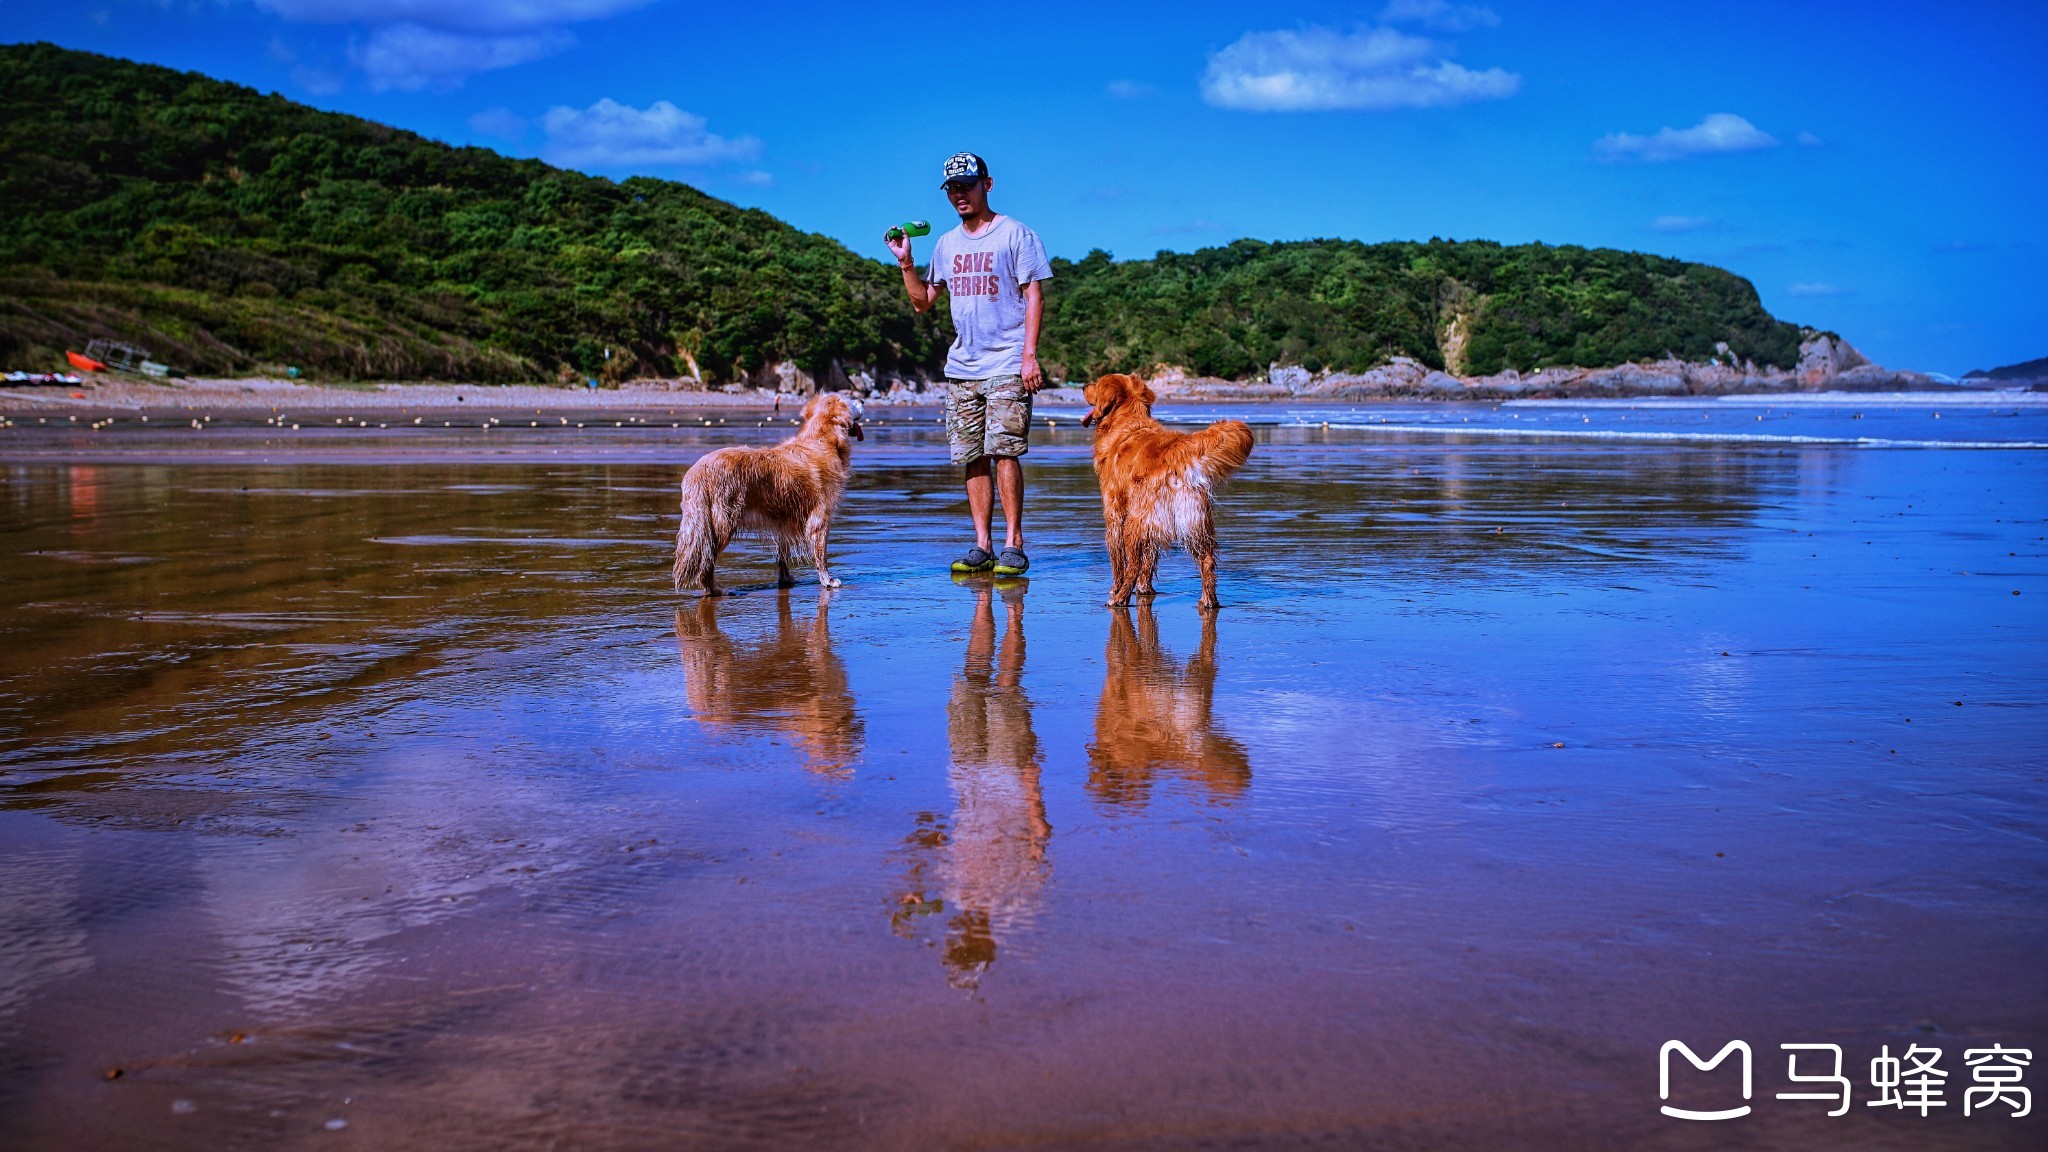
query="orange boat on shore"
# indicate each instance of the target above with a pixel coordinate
(84, 363)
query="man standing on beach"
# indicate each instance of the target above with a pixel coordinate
(992, 267)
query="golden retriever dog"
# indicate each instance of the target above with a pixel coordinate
(787, 493)
(1156, 717)
(1157, 484)
(785, 682)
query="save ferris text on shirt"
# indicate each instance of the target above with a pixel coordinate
(984, 277)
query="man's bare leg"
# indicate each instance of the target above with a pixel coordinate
(979, 495)
(1010, 484)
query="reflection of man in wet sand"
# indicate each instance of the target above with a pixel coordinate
(994, 862)
(790, 684)
(1155, 716)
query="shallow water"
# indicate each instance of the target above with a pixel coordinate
(382, 793)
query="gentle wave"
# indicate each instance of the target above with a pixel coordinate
(1681, 437)
(1871, 400)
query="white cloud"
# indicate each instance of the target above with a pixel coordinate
(1809, 140)
(502, 123)
(1130, 90)
(1719, 132)
(1440, 14)
(450, 15)
(613, 136)
(409, 57)
(1680, 223)
(1815, 290)
(1317, 69)
(318, 81)
(437, 44)
(314, 78)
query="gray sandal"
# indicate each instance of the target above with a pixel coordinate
(1012, 562)
(976, 560)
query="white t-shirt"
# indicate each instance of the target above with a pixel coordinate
(984, 277)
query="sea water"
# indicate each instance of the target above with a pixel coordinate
(378, 776)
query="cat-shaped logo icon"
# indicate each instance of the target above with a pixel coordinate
(1664, 1078)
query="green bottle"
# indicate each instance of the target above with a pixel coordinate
(909, 228)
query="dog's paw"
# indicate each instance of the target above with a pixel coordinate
(829, 582)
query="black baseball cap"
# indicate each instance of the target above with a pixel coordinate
(963, 167)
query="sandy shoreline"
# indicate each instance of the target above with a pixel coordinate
(270, 395)
(110, 393)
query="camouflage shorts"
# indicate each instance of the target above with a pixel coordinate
(987, 418)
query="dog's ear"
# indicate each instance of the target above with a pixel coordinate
(1144, 393)
(811, 405)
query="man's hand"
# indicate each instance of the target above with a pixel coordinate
(1034, 313)
(899, 246)
(922, 295)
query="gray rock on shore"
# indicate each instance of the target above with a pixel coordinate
(1826, 364)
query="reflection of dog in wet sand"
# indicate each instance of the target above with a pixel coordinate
(1157, 484)
(790, 684)
(1156, 717)
(787, 493)
(990, 859)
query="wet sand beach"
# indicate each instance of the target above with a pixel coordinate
(369, 787)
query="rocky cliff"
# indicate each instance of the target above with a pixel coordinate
(1827, 363)
(2029, 374)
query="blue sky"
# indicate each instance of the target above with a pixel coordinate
(1874, 168)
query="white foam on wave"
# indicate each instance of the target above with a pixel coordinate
(1937, 400)
(1665, 437)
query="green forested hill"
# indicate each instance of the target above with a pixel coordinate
(225, 230)
(1469, 306)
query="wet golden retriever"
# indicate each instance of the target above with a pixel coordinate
(787, 493)
(1157, 484)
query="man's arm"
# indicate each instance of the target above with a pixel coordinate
(922, 295)
(1034, 311)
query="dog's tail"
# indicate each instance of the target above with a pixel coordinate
(1222, 449)
(703, 531)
